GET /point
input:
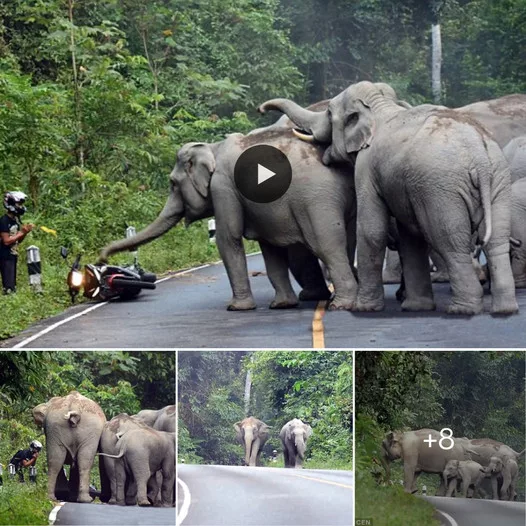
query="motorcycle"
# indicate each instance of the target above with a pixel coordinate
(104, 282)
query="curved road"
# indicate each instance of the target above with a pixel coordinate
(96, 514)
(242, 496)
(188, 310)
(479, 512)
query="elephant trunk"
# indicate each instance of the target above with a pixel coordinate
(301, 446)
(315, 123)
(170, 215)
(248, 446)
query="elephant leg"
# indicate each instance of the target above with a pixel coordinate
(56, 459)
(503, 299)
(506, 482)
(306, 270)
(373, 223)
(465, 486)
(392, 272)
(120, 483)
(292, 455)
(285, 455)
(154, 485)
(409, 474)
(141, 479)
(440, 275)
(276, 263)
(331, 247)
(254, 451)
(229, 222)
(495, 487)
(130, 490)
(452, 484)
(168, 472)
(85, 458)
(414, 255)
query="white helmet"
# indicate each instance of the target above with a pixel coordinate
(36, 445)
(14, 202)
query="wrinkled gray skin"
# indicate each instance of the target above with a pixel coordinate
(161, 419)
(442, 177)
(252, 434)
(484, 449)
(142, 452)
(468, 472)
(515, 153)
(119, 424)
(518, 232)
(497, 469)
(73, 426)
(294, 435)
(318, 212)
(418, 457)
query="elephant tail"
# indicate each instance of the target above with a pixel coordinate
(73, 418)
(120, 455)
(485, 197)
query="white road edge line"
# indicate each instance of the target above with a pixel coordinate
(187, 500)
(54, 511)
(27, 341)
(451, 520)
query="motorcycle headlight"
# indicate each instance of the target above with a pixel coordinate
(76, 278)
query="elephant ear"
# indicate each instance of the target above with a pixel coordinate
(308, 430)
(237, 427)
(199, 167)
(359, 128)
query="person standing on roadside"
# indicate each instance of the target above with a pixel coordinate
(12, 232)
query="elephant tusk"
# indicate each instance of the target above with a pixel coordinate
(303, 136)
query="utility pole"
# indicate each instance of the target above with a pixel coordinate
(436, 50)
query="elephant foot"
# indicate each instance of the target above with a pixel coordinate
(341, 304)
(284, 302)
(315, 294)
(418, 304)
(440, 276)
(391, 277)
(144, 502)
(246, 304)
(504, 305)
(369, 306)
(464, 309)
(84, 498)
(112, 501)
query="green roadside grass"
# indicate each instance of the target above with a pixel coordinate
(24, 503)
(179, 249)
(390, 505)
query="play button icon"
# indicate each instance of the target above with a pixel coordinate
(262, 173)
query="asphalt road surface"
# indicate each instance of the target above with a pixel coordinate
(102, 514)
(479, 512)
(243, 496)
(189, 311)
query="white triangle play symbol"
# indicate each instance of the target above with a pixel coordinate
(264, 174)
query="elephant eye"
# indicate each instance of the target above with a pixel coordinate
(329, 115)
(352, 118)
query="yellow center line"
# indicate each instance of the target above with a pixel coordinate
(318, 331)
(324, 481)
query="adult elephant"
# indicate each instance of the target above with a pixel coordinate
(143, 452)
(252, 434)
(294, 435)
(318, 212)
(73, 426)
(442, 177)
(161, 419)
(419, 456)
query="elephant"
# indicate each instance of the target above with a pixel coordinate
(518, 232)
(142, 452)
(294, 435)
(73, 425)
(442, 177)
(118, 425)
(515, 153)
(496, 469)
(468, 472)
(318, 212)
(161, 419)
(252, 434)
(419, 456)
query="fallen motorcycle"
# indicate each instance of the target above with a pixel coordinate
(103, 282)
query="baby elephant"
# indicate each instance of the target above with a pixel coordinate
(468, 472)
(496, 469)
(294, 435)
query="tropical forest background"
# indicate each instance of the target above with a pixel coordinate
(96, 96)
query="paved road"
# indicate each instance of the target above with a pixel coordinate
(104, 514)
(242, 496)
(479, 512)
(188, 311)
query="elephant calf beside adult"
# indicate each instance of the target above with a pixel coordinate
(317, 211)
(294, 435)
(252, 434)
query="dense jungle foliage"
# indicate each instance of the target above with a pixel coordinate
(118, 381)
(313, 386)
(96, 96)
(476, 394)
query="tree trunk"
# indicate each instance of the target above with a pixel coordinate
(436, 63)
(248, 386)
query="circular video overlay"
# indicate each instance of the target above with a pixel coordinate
(263, 174)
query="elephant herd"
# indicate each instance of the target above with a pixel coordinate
(252, 434)
(464, 467)
(367, 167)
(136, 453)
